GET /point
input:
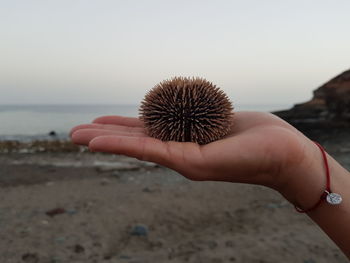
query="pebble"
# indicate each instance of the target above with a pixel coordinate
(30, 257)
(71, 212)
(116, 174)
(272, 205)
(52, 134)
(45, 222)
(24, 151)
(147, 190)
(55, 260)
(55, 211)
(212, 244)
(139, 230)
(79, 248)
(150, 164)
(60, 239)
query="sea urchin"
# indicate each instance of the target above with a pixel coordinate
(186, 110)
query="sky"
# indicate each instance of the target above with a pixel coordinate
(96, 52)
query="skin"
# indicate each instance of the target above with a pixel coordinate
(260, 149)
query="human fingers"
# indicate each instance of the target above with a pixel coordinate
(183, 157)
(133, 130)
(84, 136)
(119, 120)
(142, 148)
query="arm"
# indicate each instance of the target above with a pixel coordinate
(306, 191)
(261, 149)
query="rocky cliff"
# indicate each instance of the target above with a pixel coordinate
(329, 107)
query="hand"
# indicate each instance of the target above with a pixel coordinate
(260, 149)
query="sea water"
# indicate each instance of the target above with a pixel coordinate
(31, 122)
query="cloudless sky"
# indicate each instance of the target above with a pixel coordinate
(80, 51)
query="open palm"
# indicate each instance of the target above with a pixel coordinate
(259, 149)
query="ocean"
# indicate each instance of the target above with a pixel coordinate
(32, 122)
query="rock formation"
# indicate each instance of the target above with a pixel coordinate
(330, 106)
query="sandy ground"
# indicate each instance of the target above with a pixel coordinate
(116, 209)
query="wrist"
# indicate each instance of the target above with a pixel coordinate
(306, 181)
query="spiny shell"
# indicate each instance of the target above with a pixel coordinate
(186, 110)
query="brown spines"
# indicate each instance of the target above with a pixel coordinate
(186, 110)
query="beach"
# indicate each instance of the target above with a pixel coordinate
(184, 71)
(61, 203)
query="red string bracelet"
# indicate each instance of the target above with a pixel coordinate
(331, 198)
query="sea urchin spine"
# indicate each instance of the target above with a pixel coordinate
(186, 110)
